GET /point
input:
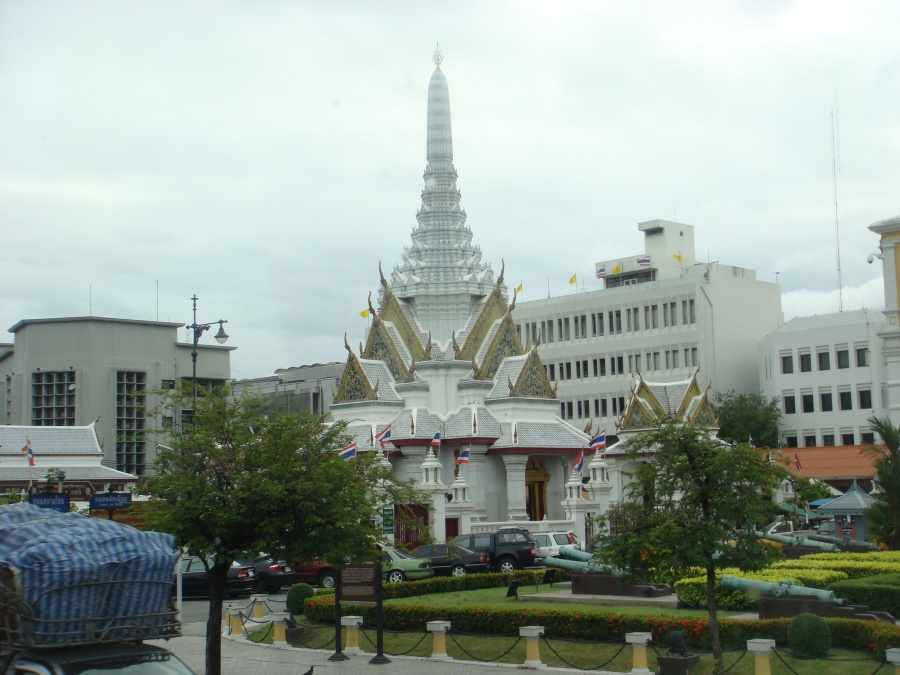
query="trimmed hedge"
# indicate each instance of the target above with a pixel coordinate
(881, 593)
(606, 626)
(691, 591)
(854, 565)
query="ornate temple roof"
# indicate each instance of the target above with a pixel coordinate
(651, 403)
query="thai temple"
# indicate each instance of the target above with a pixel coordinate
(446, 389)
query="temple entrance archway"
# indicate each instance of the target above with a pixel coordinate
(536, 479)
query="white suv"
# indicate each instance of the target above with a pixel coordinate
(549, 543)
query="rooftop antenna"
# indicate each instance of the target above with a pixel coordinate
(837, 238)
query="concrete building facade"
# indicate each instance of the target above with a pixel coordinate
(90, 370)
(661, 314)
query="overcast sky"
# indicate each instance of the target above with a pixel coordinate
(267, 155)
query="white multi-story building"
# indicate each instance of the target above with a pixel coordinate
(662, 314)
(827, 371)
(82, 370)
(307, 388)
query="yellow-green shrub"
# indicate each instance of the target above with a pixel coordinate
(691, 591)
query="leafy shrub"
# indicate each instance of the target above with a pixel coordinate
(854, 565)
(881, 592)
(691, 591)
(809, 636)
(297, 597)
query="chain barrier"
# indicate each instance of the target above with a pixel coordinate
(269, 632)
(309, 646)
(777, 653)
(786, 664)
(475, 658)
(405, 632)
(572, 665)
(736, 661)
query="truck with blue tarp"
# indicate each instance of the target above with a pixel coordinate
(79, 594)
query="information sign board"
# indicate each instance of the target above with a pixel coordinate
(111, 500)
(358, 583)
(54, 501)
(387, 520)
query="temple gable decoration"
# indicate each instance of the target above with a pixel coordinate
(493, 309)
(651, 403)
(392, 310)
(354, 385)
(532, 381)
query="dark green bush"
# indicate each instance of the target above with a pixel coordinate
(297, 597)
(809, 637)
(880, 593)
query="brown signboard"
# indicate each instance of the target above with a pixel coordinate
(358, 583)
(79, 491)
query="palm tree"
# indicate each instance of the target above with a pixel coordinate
(883, 516)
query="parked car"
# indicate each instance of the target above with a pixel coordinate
(96, 658)
(509, 548)
(398, 566)
(453, 561)
(316, 571)
(549, 543)
(271, 574)
(195, 578)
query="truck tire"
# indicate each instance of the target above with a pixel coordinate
(507, 565)
(327, 579)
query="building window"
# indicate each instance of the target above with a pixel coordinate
(620, 362)
(53, 399)
(825, 403)
(600, 323)
(824, 360)
(828, 440)
(787, 364)
(790, 441)
(673, 311)
(867, 437)
(552, 374)
(691, 311)
(130, 421)
(674, 358)
(790, 405)
(655, 360)
(848, 439)
(654, 315)
(596, 407)
(602, 367)
(806, 401)
(843, 358)
(580, 411)
(694, 355)
(865, 398)
(568, 410)
(603, 407)
(862, 357)
(637, 318)
(618, 323)
(578, 370)
(809, 441)
(684, 313)
(594, 325)
(846, 400)
(568, 370)
(805, 363)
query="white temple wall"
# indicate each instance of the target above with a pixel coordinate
(493, 489)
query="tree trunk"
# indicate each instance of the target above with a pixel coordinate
(713, 618)
(218, 577)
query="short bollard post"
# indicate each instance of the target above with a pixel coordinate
(532, 647)
(352, 624)
(638, 642)
(259, 606)
(234, 621)
(439, 630)
(279, 626)
(761, 650)
(893, 657)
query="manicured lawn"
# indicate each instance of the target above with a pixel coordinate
(496, 597)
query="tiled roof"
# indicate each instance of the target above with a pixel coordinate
(851, 503)
(49, 440)
(91, 473)
(485, 345)
(405, 354)
(507, 372)
(833, 462)
(669, 394)
(471, 420)
(415, 423)
(378, 374)
(557, 434)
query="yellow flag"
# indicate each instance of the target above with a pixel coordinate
(677, 256)
(617, 269)
(573, 279)
(519, 288)
(364, 314)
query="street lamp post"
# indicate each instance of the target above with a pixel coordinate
(199, 329)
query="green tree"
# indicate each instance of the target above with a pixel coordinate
(746, 416)
(694, 502)
(233, 481)
(883, 516)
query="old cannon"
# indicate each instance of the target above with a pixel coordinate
(590, 577)
(787, 599)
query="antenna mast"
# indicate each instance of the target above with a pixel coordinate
(837, 238)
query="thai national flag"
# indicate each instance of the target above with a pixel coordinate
(601, 272)
(644, 261)
(463, 457)
(382, 437)
(436, 441)
(752, 442)
(29, 453)
(797, 462)
(349, 452)
(598, 442)
(579, 462)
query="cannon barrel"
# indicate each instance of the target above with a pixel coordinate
(838, 541)
(795, 540)
(575, 554)
(579, 565)
(776, 588)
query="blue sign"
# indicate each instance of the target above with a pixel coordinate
(57, 502)
(111, 500)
